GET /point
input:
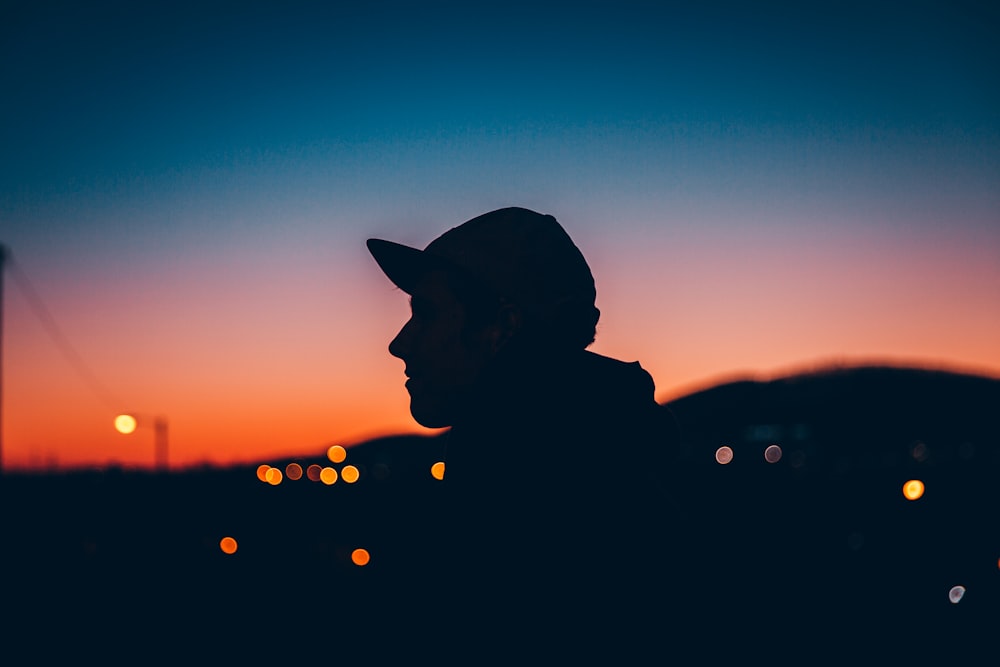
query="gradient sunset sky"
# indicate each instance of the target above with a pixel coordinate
(186, 189)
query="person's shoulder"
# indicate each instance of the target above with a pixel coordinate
(621, 380)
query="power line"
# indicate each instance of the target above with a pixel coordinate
(54, 331)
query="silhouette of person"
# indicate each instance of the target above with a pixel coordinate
(554, 500)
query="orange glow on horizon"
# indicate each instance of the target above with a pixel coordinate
(227, 328)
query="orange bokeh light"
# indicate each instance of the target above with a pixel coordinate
(228, 545)
(274, 477)
(360, 557)
(313, 472)
(437, 470)
(293, 471)
(262, 471)
(125, 424)
(336, 453)
(350, 474)
(328, 475)
(913, 489)
(724, 455)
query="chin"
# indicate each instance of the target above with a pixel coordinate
(429, 416)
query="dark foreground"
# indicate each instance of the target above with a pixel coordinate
(814, 558)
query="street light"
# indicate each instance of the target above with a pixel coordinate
(128, 423)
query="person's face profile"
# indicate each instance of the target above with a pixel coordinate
(442, 361)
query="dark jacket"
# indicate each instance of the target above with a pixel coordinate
(558, 514)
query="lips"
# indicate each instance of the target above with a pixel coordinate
(414, 380)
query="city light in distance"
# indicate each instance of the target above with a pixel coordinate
(350, 474)
(772, 454)
(293, 471)
(956, 594)
(919, 451)
(724, 454)
(228, 545)
(274, 476)
(360, 557)
(437, 470)
(913, 489)
(314, 472)
(336, 453)
(125, 424)
(328, 475)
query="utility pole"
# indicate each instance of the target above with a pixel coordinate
(160, 443)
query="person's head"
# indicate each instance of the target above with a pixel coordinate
(509, 279)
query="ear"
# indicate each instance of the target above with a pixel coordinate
(508, 323)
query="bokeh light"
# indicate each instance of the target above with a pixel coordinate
(328, 475)
(125, 424)
(262, 471)
(724, 455)
(772, 454)
(437, 470)
(228, 545)
(350, 474)
(274, 477)
(919, 451)
(336, 453)
(797, 459)
(293, 471)
(360, 557)
(314, 472)
(956, 594)
(913, 489)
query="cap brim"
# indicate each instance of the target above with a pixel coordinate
(402, 264)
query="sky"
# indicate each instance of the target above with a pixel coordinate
(186, 189)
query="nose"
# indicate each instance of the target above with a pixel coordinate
(399, 346)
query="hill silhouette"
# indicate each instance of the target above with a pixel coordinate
(826, 520)
(845, 411)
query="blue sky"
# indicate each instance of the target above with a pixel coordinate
(134, 97)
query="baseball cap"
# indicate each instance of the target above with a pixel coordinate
(524, 256)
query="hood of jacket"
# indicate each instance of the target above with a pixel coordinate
(572, 413)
